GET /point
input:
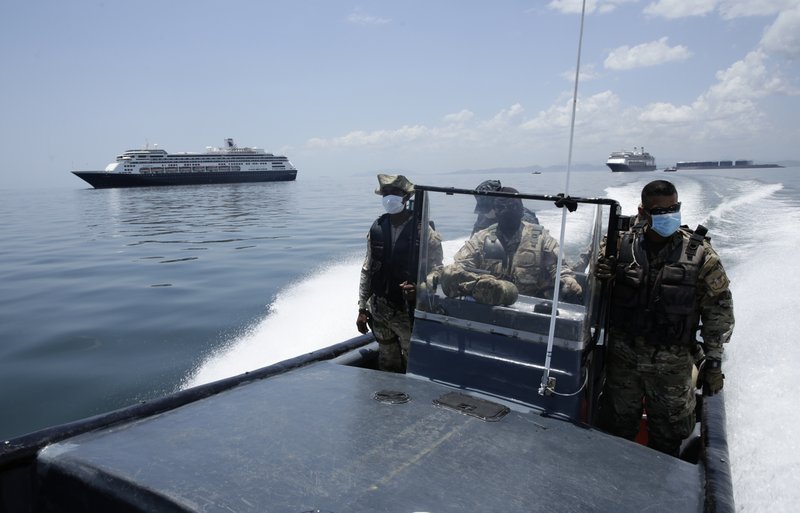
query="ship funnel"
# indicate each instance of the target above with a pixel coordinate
(229, 143)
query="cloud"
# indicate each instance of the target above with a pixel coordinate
(747, 78)
(560, 115)
(359, 18)
(727, 9)
(592, 6)
(729, 107)
(783, 36)
(647, 54)
(587, 73)
(680, 8)
(730, 9)
(504, 118)
(458, 117)
(360, 138)
(667, 113)
(457, 129)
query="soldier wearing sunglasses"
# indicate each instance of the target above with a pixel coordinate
(668, 283)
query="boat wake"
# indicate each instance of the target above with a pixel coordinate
(306, 315)
(302, 318)
(760, 241)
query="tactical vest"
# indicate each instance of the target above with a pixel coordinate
(523, 266)
(666, 311)
(390, 266)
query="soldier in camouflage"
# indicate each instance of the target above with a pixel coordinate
(667, 280)
(512, 251)
(387, 289)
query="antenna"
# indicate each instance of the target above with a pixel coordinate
(548, 384)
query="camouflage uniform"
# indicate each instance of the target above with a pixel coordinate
(649, 354)
(528, 259)
(391, 315)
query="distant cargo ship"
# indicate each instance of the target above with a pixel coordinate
(720, 164)
(626, 161)
(153, 167)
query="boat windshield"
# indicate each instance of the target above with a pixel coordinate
(487, 296)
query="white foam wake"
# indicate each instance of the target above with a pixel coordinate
(761, 364)
(315, 312)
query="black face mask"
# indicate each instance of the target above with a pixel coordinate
(509, 213)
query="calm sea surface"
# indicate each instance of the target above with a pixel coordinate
(111, 297)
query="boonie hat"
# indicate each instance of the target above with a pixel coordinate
(396, 181)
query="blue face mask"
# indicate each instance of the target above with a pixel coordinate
(666, 224)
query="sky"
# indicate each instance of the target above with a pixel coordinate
(420, 86)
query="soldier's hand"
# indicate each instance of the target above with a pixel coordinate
(606, 268)
(361, 321)
(570, 287)
(711, 376)
(409, 292)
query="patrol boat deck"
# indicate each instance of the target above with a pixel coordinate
(464, 430)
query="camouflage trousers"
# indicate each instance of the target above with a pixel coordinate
(391, 325)
(659, 380)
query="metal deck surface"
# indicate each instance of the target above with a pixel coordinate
(315, 439)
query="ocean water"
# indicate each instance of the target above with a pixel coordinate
(111, 297)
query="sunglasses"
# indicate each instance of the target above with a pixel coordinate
(657, 211)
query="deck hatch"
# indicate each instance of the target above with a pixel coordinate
(391, 397)
(473, 406)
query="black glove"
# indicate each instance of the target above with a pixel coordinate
(606, 268)
(568, 202)
(711, 376)
(363, 320)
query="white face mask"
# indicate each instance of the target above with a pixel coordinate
(393, 204)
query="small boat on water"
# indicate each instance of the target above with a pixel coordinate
(629, 161)
(155, 167)
(670, 169)
(496, 413)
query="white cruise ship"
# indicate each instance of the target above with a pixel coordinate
(636, 160)
(229, 164)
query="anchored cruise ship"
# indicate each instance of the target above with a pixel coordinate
(636, 160)
(230, 164)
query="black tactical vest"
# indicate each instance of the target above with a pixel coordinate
(390, 264)
(662, 307)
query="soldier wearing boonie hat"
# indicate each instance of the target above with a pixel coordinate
(387, 289)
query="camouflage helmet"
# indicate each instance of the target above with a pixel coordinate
(484, 204)
(395, 181)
